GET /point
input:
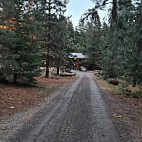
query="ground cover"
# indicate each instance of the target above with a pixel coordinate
(127, 110)
(18, 98)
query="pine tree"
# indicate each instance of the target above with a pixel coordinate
(6, 38)
(63, 42)
(51, 10)
(23, 48)
(119, 43)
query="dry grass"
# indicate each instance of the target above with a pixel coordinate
(117, 89)
(128, 107)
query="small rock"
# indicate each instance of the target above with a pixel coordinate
(23, 101)
(12, 107)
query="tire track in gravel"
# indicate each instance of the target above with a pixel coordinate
(48, 119)
(77, 114)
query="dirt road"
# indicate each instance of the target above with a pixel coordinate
(77, 114)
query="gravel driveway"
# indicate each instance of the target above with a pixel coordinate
(76, 114)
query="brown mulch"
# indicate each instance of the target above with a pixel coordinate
(54, 79)
(14, 99)
(128, 111)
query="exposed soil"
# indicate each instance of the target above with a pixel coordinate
(14, 99)
(127, 111)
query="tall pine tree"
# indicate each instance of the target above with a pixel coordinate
(51, 10)
(24, 49)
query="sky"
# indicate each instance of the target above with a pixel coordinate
(76, 8)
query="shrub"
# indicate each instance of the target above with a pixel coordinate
(113, 81)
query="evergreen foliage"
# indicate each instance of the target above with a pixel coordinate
(30, 29)
(52, 13)
(20, 44)
(36, 31)
(115, 45)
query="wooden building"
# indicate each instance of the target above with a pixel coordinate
(79, 60)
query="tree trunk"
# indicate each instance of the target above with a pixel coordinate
(134, 82)
(15, 78)
(114, 11)
(58, 69)
(49, 38)
(47, 66)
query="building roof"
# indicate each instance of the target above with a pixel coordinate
(78, 55)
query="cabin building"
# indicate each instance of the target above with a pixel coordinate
(79, 60)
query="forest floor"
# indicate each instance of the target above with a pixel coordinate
(127, 110)
(19, 98)
(79, 102)
(77, 113)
